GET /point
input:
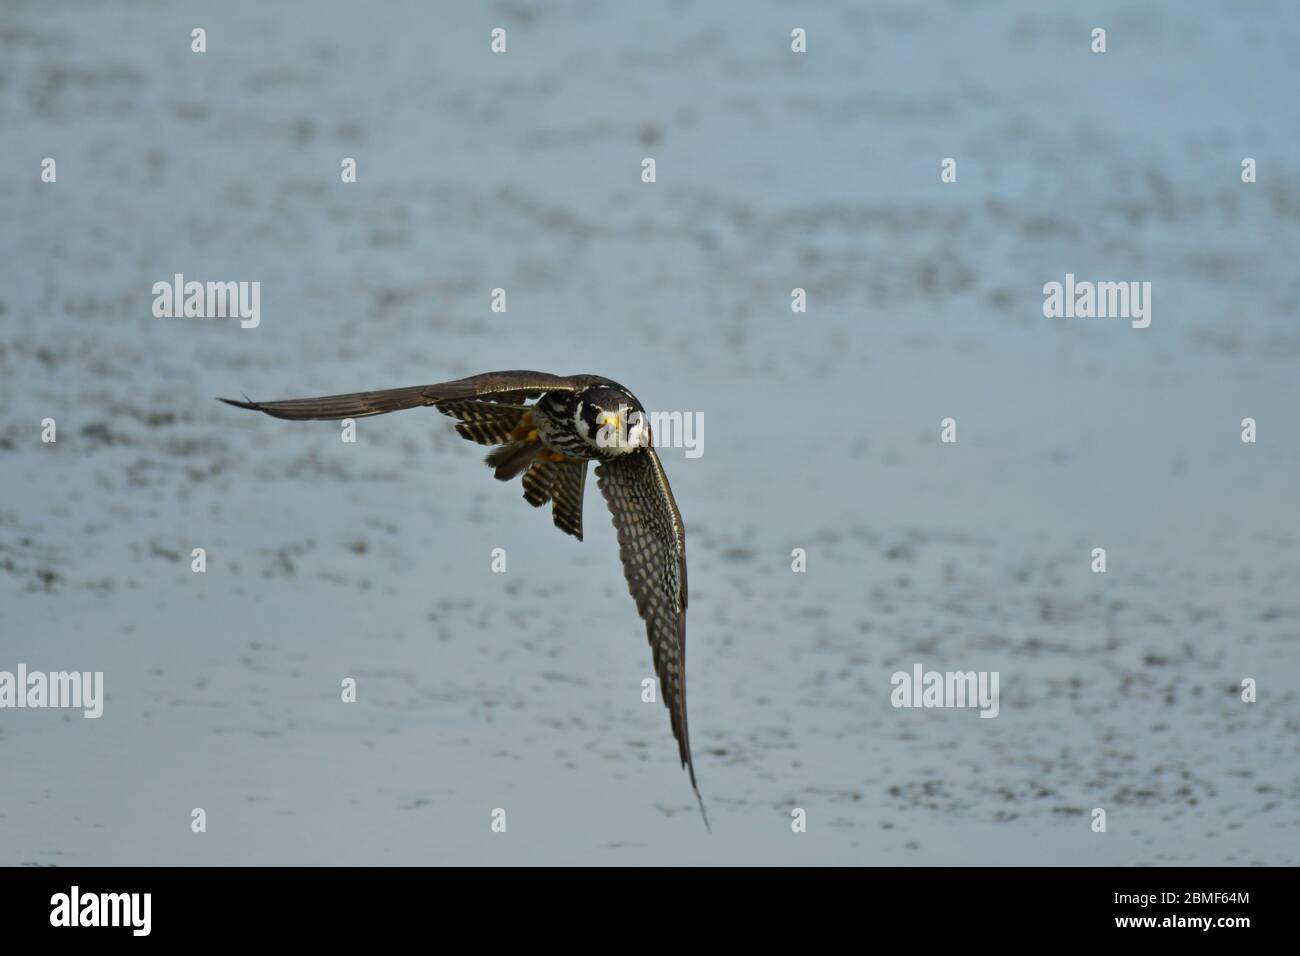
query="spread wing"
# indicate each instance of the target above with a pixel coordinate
(511, 387)
(652, 545)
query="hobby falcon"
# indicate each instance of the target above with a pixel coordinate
(547, 428)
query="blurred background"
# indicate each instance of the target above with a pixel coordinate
(522, 171)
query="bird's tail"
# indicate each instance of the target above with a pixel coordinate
(513, 458)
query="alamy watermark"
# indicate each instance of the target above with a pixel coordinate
(1100, 300)
(75, 908)
(83, 690)
(208, 300)
(922, 688)
(630, 428)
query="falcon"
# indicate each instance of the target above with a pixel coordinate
(547, 428)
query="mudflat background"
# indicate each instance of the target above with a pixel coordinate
(522, 690)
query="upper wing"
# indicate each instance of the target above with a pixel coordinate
(516, 386)
(652, 544)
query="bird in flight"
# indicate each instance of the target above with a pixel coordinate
(547, 428)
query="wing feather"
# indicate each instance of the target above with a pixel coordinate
(512, 387)
(566, 497)
(485, 422)
(652, 546)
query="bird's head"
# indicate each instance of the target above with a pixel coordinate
(611, 420)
